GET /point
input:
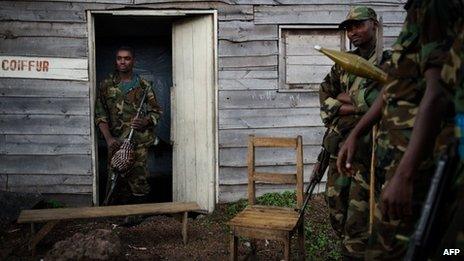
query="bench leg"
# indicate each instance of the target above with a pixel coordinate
(41, 234)
(184, 227)
(233, 247)
(287, 249)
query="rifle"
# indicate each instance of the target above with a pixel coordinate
(318, 172)
(123, 159)
(421, 239)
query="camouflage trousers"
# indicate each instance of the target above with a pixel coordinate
(348, 202)
(134, 183)
(384, 243)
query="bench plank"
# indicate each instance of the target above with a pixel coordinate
(44, 215)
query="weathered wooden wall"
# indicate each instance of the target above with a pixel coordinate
(45, 142)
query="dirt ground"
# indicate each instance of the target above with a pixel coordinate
(159, 237)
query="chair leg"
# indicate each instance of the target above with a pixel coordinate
(301, 241)
(253, 248)
(287, 248)
(233, 247)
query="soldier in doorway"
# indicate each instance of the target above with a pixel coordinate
(344, 98)
(118, 100)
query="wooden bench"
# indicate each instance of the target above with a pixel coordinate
(53, 216)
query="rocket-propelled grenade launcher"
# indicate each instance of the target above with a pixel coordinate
(355, 64)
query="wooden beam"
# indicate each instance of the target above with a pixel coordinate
(275, 178)
(275, 142)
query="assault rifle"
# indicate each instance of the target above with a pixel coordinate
(318, 173)
(421, 239)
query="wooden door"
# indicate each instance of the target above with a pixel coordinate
(193, 111)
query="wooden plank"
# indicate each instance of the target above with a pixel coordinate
(44, 68)
(46, 164)
(238, 75)
(236, 157)
(318, 14)
(50, 183)
(243, 31)
(52, 106)
(45, 46)
(237, 192)
(320, 2)
(14, 29)
(61, 189)
(260, 233)
(3, 182)
(239, 137)
(44, 124)
(301, 42)
(45, 144)
(249, 63)
(316, 60)
(51, 12)
(226, 12)
(251, 48)
(239, 176)
(34, 180)
(269, 118)
(247, 84)
(90, 1)
(263, 99)
(43, 88)
(274, 142)
(304, 74)
(274, 178)
(42, 215)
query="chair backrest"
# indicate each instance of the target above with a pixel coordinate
(275, 178)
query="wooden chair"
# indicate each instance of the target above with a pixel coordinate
(270, 222)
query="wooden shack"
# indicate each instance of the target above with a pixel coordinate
(229, 68)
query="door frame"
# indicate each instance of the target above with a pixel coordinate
(93, 85)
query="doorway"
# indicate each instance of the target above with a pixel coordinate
(177, 54)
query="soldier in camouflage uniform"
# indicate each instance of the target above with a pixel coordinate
(118, 100)
(344, 98)
(450, 222)
(405, 145)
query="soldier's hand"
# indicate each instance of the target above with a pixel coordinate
(140, 124)
(113, 143)
(345, 156)
(344, 98)
(396, 199)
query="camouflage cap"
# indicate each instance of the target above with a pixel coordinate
(358, 13)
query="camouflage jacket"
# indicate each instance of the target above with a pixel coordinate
(118, 108)
(363, 93)
(424, 41)
(452, 75)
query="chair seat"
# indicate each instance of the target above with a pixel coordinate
(265, 217)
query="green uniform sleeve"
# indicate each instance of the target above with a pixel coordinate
(328, 92)
(153, 109)
(439, 20)
(363, 98)
(101, 111)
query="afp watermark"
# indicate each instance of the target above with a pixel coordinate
(451, 251)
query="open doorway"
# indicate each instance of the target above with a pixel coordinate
(177, 51)
(153, 55)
